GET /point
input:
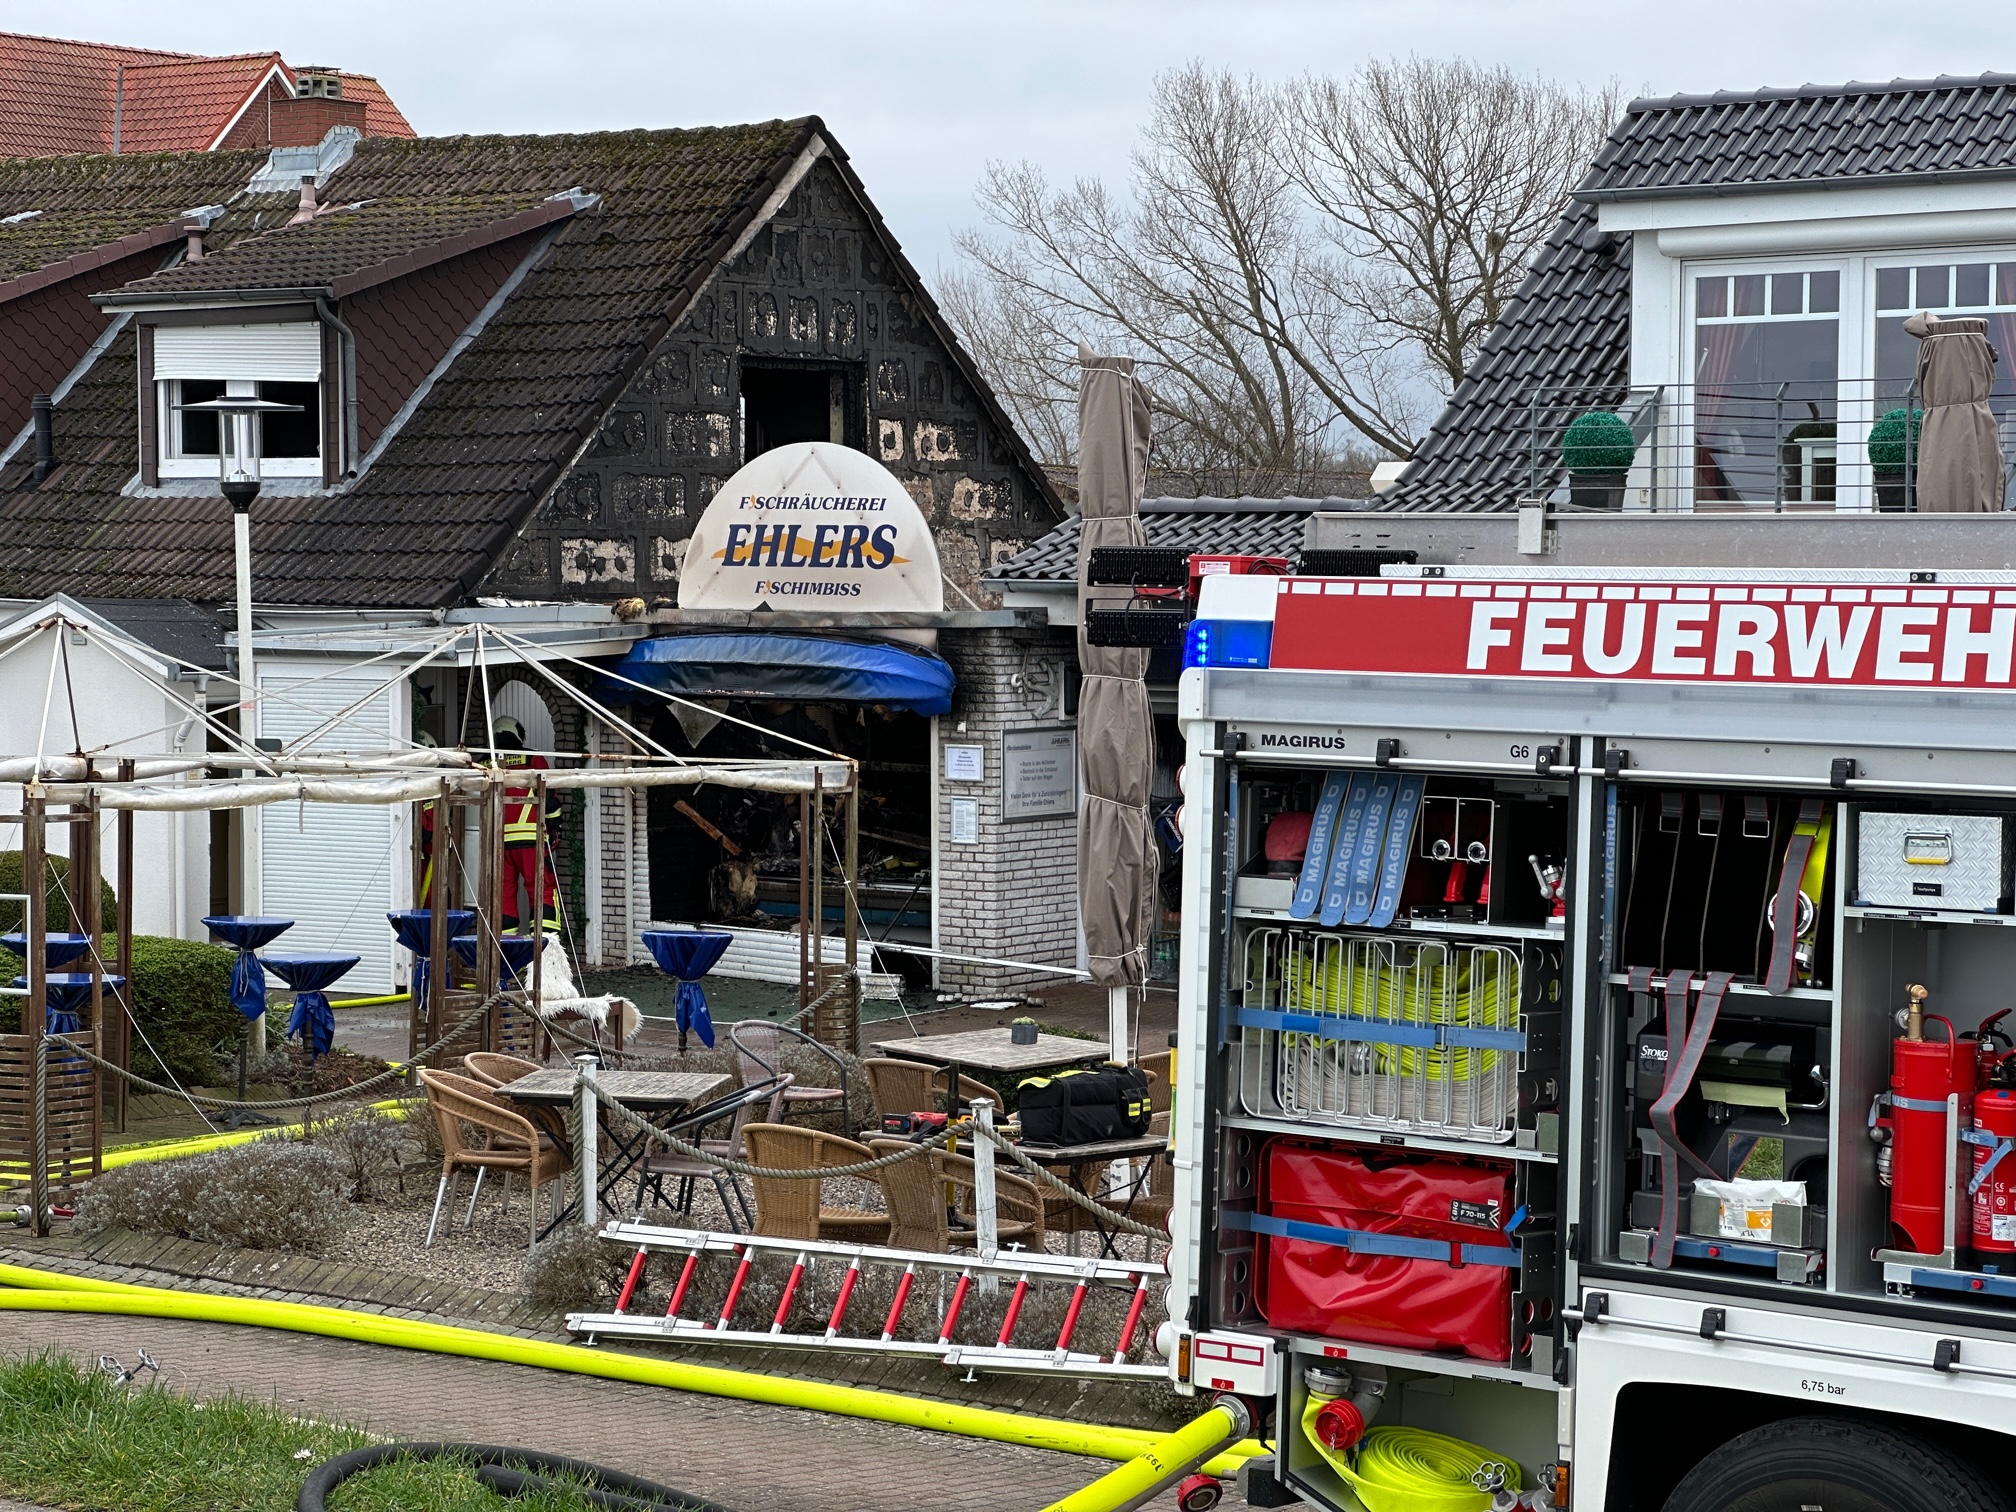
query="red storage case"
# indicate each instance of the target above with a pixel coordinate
(1335, 1291)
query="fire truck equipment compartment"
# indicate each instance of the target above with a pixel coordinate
(1951, 863)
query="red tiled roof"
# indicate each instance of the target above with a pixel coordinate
(59, 96)
(184, 104)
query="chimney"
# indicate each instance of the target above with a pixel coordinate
(307, 210)
(192, 227)
(45, 437)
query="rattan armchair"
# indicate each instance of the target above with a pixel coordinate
(760, 1046)
(907, 1086)
(915, 1190)
(510, 1142)
(494, 1069)
(794, 1208)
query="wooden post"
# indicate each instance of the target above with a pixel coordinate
(537, 904)
(86, 902)
(851, 892)
(437, 922)
(35, 1007)
(120, 1050)
(804, 901)
(818, 878)
(490, 905)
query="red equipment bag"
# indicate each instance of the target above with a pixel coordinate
(1412, 1253)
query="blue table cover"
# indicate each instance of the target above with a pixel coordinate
(247, 932)
(57, 949)
(413, 928)
(688, 955)
(68, 992)
(308, 973)
(514, 952)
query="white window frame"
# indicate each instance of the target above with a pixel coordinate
(174, 464)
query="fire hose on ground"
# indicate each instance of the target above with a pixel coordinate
(27, 1290)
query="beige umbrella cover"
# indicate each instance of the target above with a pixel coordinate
(1959, 451)
(1116, 736)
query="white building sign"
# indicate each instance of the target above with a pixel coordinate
(965, 763)
(1039, 773)
(812, 526)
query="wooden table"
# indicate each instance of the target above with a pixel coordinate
(994, 1050)
(645, 1093)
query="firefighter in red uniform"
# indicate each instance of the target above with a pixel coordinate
(522, 821)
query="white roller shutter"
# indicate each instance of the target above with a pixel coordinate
(333, 868)
(273, 353)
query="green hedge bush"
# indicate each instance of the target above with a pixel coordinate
(1886, 440)
(1598, 442)
(55, 890)
(182, 1002)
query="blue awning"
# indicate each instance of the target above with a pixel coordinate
(807, 668)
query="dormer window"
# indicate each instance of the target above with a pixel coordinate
(282, 363)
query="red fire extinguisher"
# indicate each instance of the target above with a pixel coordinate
(1915, 1127)
(1994, 1183)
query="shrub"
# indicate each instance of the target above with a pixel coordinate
(55, 892)
(1886, 440)
(271, 1194)
(181, 993)
(370, 1144)
(1599, 442)
(574, 1270)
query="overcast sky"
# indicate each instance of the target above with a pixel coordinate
(922, 94)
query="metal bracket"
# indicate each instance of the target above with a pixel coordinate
(1615, 760)
(1386, 752)
(1545, 759)
(1842, 772)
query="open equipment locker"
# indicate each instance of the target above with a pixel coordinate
(1808, 1309)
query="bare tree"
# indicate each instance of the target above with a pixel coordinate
(1437, 183)
(1303, 271)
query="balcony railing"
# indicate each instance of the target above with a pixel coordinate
(1771, 447)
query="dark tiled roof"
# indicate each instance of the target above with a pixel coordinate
(1907, 128)
(346, 242)
(86, 202)
(1228, 527)
(495, 432)
(1564, 338)
(175, 627)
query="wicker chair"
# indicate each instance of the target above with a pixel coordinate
(759, 1046)
(511, 1142)
(494, 1069)
(1153, 1205)
(907, 1086)
(918, 1218)
(793, 1209)
(739, 1105)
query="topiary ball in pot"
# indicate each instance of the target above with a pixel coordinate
(1597, 450)
(1887, 447)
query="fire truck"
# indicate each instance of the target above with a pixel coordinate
(1593, 1088)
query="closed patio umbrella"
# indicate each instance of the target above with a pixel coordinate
(1116, 735)
(1959, 450)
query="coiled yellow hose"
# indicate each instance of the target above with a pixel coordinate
(1411, 1469)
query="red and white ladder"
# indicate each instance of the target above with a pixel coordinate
(1018, 1270)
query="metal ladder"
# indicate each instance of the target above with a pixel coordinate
(1021, 1270)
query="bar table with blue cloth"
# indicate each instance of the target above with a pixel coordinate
(308, 972)
(57, 949)
(514, 954)
(247, 932)
(688, 955)
(414, 929)
(68, 992)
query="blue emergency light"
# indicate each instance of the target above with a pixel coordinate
(1228, 643)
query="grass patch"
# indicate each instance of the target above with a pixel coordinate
(69, 1437)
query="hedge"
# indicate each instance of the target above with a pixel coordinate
(55, 890)
(182, 1004)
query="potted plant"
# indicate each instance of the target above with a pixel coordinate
(1022, 1031)
(1597, 450)
(1887, 446)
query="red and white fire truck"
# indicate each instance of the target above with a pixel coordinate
(1592, 1088)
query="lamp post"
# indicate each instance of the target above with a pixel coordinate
(238, 427)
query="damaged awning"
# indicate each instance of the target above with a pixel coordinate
(805, 668)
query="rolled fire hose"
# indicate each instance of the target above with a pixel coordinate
(510, 1472)
(1413, 1470)
(26, 1290)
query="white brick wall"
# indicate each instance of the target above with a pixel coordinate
(1014, 895)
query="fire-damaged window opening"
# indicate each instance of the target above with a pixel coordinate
(728, 856)
(784, 401)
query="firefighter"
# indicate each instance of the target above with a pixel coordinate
(522, 822)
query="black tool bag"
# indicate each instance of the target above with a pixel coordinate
(1084, 1107)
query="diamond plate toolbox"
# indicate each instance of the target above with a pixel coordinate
(1951, 863)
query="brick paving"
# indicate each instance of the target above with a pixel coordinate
(750, 1457)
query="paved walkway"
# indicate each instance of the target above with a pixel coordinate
(749, 1457)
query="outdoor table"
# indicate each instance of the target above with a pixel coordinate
(992, 1050)
(651, 1095)
(514, 954)
(68, 992)
(247, 932)
(57, 949)
(688, 955)
(414, 929)
(308, 973)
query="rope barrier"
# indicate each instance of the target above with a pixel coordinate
(384, 1078)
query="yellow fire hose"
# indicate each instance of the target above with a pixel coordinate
(1163, 1462)
(202, 1144)
(1411, 1469)
(26, 1290)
